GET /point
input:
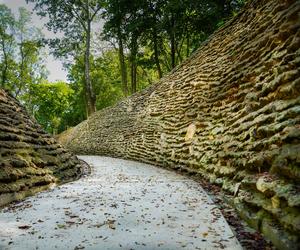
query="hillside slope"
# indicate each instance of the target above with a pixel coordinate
(230, 113)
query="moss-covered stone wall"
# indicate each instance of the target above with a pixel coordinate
(230, 113)
(30, 159)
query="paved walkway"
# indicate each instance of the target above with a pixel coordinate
(121, 205)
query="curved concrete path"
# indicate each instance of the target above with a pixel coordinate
(121, 205)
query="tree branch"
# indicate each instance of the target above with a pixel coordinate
(75, 14)
(95, 12)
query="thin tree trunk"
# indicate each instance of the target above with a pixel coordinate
(187, 44)
(173, 52)
(4, 69)
(18, 88)
(133, 78)
(146, 75)
(4, 75)
(178, 51)
(89, 93)
(133, 71)
(156, 54)
(173, 45)
(122, 64)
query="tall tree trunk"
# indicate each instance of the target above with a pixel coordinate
(133, 77)
(187, 43)
(4, 75)
(173, 42)
(122, 64)
(133, 71)
(5, 67)
(89, 92)
(21, 76)
(156, 53)
(173, 53)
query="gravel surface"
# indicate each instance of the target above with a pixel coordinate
(120, 205)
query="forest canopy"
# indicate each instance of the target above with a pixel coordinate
(110, 48)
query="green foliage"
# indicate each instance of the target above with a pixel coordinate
(105, 78)
(8, 44)
(169, 29)
(74, 19)
(50, 104)
(146, 40)
(21, 53)
(64, 16)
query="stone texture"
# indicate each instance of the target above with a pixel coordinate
(30, 159)
(230, 113)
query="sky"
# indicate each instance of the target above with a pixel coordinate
(53, 65)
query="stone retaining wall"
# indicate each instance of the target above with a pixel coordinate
(230, 113)
(30, 159)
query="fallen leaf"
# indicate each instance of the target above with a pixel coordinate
(205, 234)
(99, 225)
(24, 227)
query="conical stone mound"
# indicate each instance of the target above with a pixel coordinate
(230, 113)
(30, 159)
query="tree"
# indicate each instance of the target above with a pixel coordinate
(152, 18)
(74, 18)
(7, 43)
(21, 60)
(127, 22)
(50, 103)
(114, 14)
(148, 38)
(30, 67)
(104, 76)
